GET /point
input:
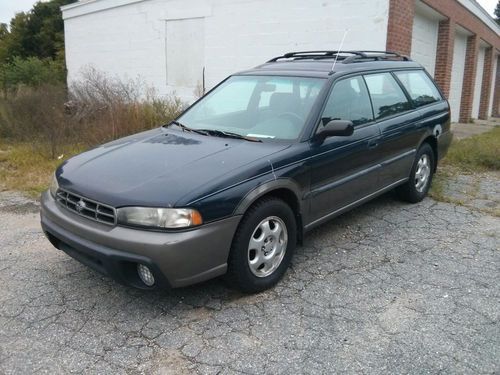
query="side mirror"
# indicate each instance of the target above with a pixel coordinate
(340, 128)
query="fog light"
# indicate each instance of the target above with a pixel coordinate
(145, 274)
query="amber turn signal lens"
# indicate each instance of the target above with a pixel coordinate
(196, 218)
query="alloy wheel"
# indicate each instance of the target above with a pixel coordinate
(267, 246)
(422, 173)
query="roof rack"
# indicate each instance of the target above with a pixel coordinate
(346, 57)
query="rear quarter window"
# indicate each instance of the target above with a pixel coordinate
(420, 87)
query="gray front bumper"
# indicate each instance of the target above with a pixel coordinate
(178, 258)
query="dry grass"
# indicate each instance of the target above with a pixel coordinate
(93, 111)
(25, 168)
(37, 125)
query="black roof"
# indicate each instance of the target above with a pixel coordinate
(324, 63)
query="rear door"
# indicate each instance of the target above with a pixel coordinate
(343, 169)
(426, 97)
(398, 121)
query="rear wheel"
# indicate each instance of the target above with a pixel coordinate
(417, 186)
(263, 246)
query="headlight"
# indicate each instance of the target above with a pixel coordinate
(54, 185)
(159, 217)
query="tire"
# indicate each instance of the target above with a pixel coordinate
(251, 269)
(415, 189)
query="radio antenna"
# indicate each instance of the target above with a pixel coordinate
(340, 48)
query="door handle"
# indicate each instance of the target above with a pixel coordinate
(372, 143)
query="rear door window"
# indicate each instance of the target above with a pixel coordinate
(349, 100)
(388, 98)
(420, 87)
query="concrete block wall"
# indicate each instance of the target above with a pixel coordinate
(127, 38)
(126, 42)
(243, 34)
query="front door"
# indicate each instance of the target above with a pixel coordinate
(345, 169)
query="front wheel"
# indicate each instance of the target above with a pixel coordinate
(263, 246)
(417, 186)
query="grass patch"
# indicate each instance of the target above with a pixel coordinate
(28, 169)
(467, 162)
(478, 153)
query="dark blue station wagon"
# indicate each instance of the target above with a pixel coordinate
(232, 185)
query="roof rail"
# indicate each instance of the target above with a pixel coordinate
(376, 56)
(345, 57)
(316, 55)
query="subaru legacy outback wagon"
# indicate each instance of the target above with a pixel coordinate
(232, 185)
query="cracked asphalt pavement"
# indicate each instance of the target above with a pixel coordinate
(387, 288)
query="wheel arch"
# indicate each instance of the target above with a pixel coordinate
(284, 189)
(433, 142)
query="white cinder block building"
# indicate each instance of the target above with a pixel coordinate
(182, 46)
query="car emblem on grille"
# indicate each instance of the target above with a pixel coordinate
(80, 205)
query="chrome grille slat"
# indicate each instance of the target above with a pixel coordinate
(91, 209)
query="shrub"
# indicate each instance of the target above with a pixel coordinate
(94, 110)
(36, 115)
(32, 72)
(109, 108)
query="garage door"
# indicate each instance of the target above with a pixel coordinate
(478, 83)
(424, 42)
(457, 75)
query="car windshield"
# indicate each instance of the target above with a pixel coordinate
(260, 107)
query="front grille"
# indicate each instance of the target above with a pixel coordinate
(86, 207)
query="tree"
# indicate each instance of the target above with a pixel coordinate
(32, 71)
(497, 12)
(36, 33)
(36, 36)
(4, 32)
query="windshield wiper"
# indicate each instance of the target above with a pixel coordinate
(185, 128)
(223, 133)
(217, 133)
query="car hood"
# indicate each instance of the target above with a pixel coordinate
(161, 166)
